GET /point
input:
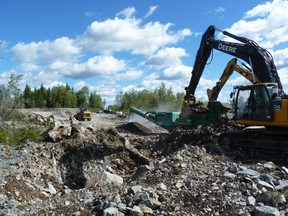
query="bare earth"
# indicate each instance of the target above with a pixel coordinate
(128, 166)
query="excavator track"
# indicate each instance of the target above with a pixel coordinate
(269, 139)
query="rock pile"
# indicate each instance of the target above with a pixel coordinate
(116, 172)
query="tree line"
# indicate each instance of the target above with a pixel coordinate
(64, 96)
(61, 96)
(161, 98)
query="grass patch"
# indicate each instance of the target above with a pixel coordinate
(20, 136)
(16, 116)
(278, 198)
(30, 133)
(179, 170)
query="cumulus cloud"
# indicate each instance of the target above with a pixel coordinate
(67, 57)
(98, 65)
(268, 28)
(115, 35)
(166, 57)
(45, 51)
(264, 24)
(130, 74)
(281, 58)
(147, 47)
(177, 72)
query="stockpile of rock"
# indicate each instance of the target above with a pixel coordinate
(121, 173)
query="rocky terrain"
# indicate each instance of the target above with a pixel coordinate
(112, 166)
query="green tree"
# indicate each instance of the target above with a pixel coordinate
(82, 96)
(28, 97)
(40, 96)
(95, 101)
(58, 99)
(150, 100)
(70, 99)
(49, 98)
(10, 97)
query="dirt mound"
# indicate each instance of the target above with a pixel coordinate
(135, 128)
(198, 136)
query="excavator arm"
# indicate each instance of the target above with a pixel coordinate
(259, 59)
(229, 69)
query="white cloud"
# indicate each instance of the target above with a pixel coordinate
(51, 60)
(129, 35)
(281, 58)
(206, 83)
(29, 67)
(35, 79)
(129, 88)
(166, 57)
(54, 84)
(261, 10)
(127, 12)
(177, 72)
(265, 23)
(107, 89)
(98, 65)
(45, 51)
(4, 76)
(59, 65)
(89, 13)
(130, 74)
(152, 9)
(219, 10)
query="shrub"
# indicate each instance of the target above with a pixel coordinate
(30, 133)
(5, 136)
(20, 136)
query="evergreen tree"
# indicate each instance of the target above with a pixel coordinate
(40, 96)
(28, 97)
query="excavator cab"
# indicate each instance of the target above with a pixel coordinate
(253, 103)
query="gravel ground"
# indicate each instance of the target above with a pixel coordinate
(120, 166)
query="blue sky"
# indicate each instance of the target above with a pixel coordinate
(113, 46)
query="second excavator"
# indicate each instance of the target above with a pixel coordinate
(229, 69)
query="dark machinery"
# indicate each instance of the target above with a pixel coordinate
(263, 103)
(204, 115)
(82, 115)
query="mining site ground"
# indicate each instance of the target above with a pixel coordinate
(113, 165)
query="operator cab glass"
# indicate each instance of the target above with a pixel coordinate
(273, 90)
(253, 103)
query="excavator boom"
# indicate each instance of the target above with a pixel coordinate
(259, 59)
(262, 104)
(230, 67)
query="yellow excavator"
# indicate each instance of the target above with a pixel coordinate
(231, 66)
(263, 103)
(83, 115)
